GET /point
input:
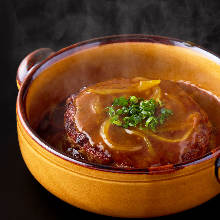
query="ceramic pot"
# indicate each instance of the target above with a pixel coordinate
(45, 78)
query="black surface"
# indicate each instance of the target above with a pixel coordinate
(31, 24)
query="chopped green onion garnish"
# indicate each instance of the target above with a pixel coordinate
(133, 112)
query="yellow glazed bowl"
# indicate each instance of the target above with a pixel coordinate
(45, 78)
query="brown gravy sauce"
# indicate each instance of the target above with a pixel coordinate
(51, 128)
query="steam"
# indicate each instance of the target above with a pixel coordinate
(57, 24)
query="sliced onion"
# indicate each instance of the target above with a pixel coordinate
(145, 85)
(104, 134)
(148, 143)
(104, 131)
(141, 86)
(110, 91)
(184, 137)
(157, 94)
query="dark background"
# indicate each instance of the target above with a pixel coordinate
(31, 24)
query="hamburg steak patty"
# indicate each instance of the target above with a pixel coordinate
(184, 136)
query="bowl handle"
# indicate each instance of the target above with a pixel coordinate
(217, 169)
(29, 62)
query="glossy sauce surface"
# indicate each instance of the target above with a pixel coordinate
(167, 144)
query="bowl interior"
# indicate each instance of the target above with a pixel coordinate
(81, 65)
(69, 74)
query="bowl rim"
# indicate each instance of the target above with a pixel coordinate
(64, 52)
